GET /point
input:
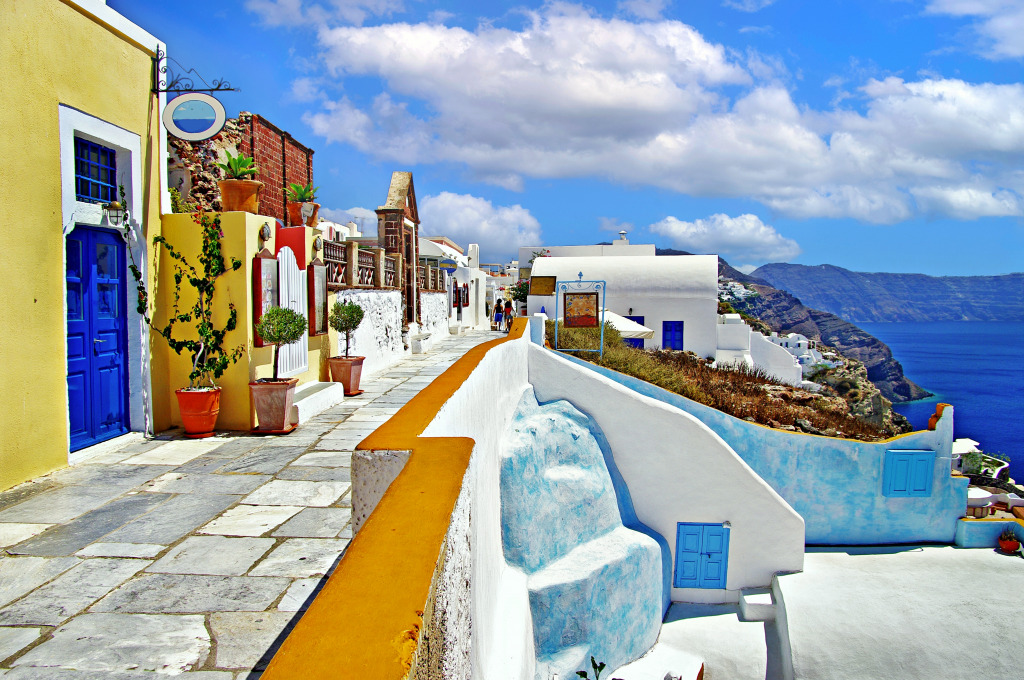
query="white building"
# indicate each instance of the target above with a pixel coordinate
(675, 296)
(618, 248)
(738, 343)
(806, 352)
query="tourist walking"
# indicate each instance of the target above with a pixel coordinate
(509, 313)
(496, 326)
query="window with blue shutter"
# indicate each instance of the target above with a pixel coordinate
(95, 172)
(702, 555)
(908, 473)
(672, 335)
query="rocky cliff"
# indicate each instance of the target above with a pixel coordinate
(785, 313)
(868, 297)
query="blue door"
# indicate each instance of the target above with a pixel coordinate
(635, 342)
(97, 336)
(702, 555)
(671, 334)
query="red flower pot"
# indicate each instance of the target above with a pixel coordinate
(347, 371)
(199, 410)
(1009, 546)
(295, 214)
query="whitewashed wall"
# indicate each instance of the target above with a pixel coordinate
(678, 470)
(776, 360)
(379, 336)
(434, 315)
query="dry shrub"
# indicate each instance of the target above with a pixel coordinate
(741, 391)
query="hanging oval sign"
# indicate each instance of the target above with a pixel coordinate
(194, 116)
(449, 265)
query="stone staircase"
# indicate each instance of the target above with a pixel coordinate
(595, 586)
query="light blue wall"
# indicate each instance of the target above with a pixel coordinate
(983, 534)
(835, 484)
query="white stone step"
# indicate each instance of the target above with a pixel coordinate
(757, 604)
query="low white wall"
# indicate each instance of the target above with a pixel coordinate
(678, 470)
(482, 408)
(379, 336)
(434, 315)
(774, 359)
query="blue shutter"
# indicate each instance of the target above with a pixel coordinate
(908, 473)
(702, 555)
(688, 554)
(672, 335)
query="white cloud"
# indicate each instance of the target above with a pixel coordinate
(746, 268)
(652, 103)
(747, 5)
(745, 236)
(364, 217)
(613, 225)
(465, 219)
(643, 9)
(305, 90)
(998, 23)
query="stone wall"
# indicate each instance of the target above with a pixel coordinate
(434, 314)
(379, 336)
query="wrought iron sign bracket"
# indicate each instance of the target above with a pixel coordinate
(166, 80)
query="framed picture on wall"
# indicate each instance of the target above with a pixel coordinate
(316, 297)
(264, 288)
(542, 285)
(581, 310)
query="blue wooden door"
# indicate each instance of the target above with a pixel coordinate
(702, 555)
(635, 342)
(671, 334)
(96, 336)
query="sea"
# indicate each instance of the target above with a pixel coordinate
(977, 366)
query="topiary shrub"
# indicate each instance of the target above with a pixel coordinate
(345, 318)
(280, 326)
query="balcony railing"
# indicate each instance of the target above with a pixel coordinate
(430, 278)
(373, 269)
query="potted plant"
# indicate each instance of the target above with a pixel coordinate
(237, 192)
(199, 403)
(301, 208)
(273, 397)
(345, 318)
(1008, 541)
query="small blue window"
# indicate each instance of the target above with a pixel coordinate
(672, 335)
(95, 172)
(908, 473)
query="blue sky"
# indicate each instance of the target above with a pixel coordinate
(877, 135)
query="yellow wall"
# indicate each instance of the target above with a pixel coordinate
(102, 74)
(170, 371)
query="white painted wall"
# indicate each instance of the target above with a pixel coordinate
(774, 359)
(379, 336)
(473, 316)
(678, 470)
(434, 315)
(482, 408)
(667, 288)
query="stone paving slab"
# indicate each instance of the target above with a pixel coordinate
(60, 505)
(296, 598)
(13, 533)
(283, 492)
(98, 642)
(184, 482)
(250, 520)
(331, 458)
(13, 640)
(109, 475)
(267, 460)
(309, 473)
(70, 593)
(21, 575)
(25, 491)
(69, 538)
(136, 550)
(245, 640)
(214, 555)
(301, 558)
(316, 523)
(188, 594)
(177, 517)
(174, 452)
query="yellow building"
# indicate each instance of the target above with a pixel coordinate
(78, 121)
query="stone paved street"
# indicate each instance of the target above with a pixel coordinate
(189, 557)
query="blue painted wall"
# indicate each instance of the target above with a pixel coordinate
(835, 484)
(983, 533)
(596, 587)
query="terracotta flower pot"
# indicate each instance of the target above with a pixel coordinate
(295, 214)
(273, 400)
(199, 410)
(347, 371)
(240, 195)
(1009, 546)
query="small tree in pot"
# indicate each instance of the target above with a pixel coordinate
(238, 192)
(273, 397)
(345, 318)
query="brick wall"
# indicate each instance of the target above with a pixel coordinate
(280, 158)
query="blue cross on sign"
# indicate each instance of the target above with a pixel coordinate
(449, 265)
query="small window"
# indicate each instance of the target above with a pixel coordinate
(95, 172)
(672, 335)
(908, 473)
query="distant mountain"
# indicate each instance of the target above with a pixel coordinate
(784, 313)
(864, 297)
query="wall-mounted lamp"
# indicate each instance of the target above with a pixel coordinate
(318, 243)
(630, 311)
(116, 213)
(265, 231)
